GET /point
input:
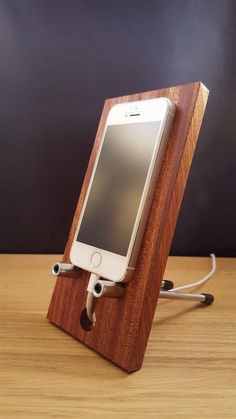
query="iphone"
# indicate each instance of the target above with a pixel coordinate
(119, 195)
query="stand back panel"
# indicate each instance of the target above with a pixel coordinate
(123, 325)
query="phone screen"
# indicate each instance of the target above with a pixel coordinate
(117, 186)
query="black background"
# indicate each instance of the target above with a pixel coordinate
(61, 59)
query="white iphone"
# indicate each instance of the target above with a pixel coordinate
(116, 206)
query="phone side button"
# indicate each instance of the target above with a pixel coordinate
(96, 259)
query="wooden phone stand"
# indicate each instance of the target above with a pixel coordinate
(123, 324)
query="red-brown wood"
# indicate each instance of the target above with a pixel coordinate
(123, 325)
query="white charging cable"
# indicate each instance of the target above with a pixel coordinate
(95, 278)
(200, 281)
(90, 297)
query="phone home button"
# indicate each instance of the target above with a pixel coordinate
(96, 259)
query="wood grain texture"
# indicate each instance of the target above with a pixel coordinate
(189, 370)
(123, 326)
